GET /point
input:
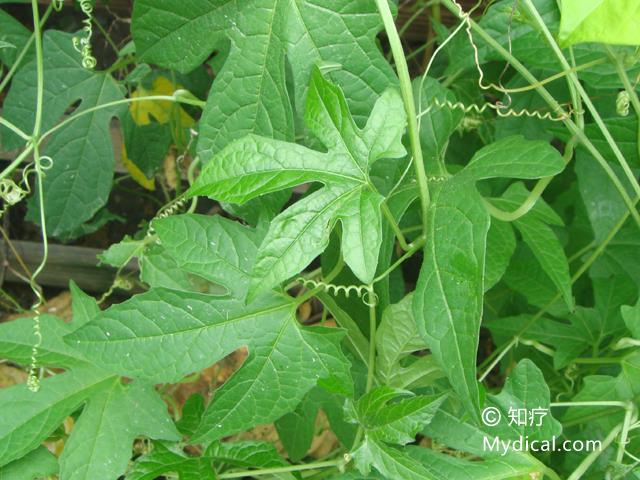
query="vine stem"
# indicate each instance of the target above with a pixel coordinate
(533, 197)
(552, 102)
(409, 105)
(585, 97)
(414, 247)
(170, 98)
(277, 470)
(14, 129)
(593, 456)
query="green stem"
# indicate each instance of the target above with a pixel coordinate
(14, 129)
(585, 97)
(409, 105)
(372, 340)
(598, 361)
(535, 194)
(555, 107)
(36, 150)
(277, 470)
(593, 456)
(23, 52)
(415, 246)
(523, 209)
(603, 403)
(394, 226)
(106, 35)
(169, 98)
(624, 435)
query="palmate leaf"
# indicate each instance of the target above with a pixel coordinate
(79, 182)
(100, 446)
(142, 338)
(254, 166)
(113, 414)
(448, 299)
(261, 34)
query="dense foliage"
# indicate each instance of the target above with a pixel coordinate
(467, 232)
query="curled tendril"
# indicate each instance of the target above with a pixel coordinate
(33, 381)
(623, 102)
(168, 210)
(57, 5)
(366, 293)
(499, 108)
(83, 45)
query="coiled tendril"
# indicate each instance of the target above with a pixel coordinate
(623, 102)
(83, 45)
(365, 292)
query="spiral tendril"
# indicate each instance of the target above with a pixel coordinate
(83, 45)
(498, 108)
(57, 5)
(33, 381)
(623, 102)
(364, 292)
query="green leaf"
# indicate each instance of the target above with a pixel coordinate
(392, 463)
(605, 21)
(254, 166)
(514, 157)
(546, 247)
(192, 411)
(213, 247)
(166, 460)
(567, 341)
(526, 276)
(619, 258)
(501, 243)
(101, 442)
(262, 33)
(605, 208)
(397, 338)
(296, 429)
(79, 182)
(246, 454)
(34, 416)
(119, 254)
(398, 421)
(526, 390)
(14, 34)
(449, 295)
(37, 464)
(145, 145)
(449, 466)
(142, 337)
(631, 317)
(362, 233)
(17, 339)
(83, 306)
